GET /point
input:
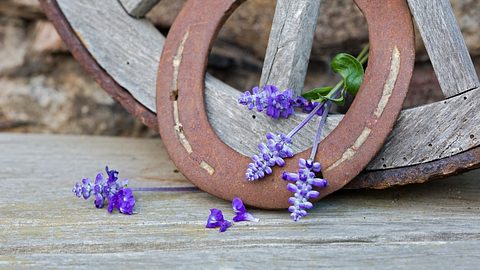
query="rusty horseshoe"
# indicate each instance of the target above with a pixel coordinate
(218, 169)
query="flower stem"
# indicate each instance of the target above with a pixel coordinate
(363, 52)
(321, 125)
(334, 92)
(305, 121)
(362, 58)
(165, 189)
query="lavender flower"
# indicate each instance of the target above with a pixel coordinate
(241, 213)
(275, 103)
(216, 220)
(273, 153)
(123, 200)
(115, 193)
(307, 106)
(303, 188)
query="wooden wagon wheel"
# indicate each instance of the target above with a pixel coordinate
(428, 142)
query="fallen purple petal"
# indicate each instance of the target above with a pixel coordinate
(216, 220)
(241, 213)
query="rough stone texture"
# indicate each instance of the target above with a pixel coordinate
(63, 101)
(42, 89)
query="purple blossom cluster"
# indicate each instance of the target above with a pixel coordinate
(302, 187)
(307, 106)
(275, 103)
(277, 148)
(217, 220)
(240, 211)
(110, 190)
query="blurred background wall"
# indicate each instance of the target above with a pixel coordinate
(43, 89)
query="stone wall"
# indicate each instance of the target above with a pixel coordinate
(43, 89)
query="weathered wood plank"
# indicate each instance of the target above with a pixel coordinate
(138, 8)
(42, 225)
(290, 44)
(133, 63)
(445, 45)
(432, 132)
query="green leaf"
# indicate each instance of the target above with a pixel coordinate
(351, 71)
(317, 93)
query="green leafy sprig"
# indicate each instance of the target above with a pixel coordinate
(351, 70)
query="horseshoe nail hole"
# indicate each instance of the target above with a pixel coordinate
(464, 98)
(176, 171)
(384, 165)
(404, 159)
(254, 116)
(383, 159)
(174, 95)
(430, 145)
(128, 63)
(472, 136)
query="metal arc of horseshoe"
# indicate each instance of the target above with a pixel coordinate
(218, 169)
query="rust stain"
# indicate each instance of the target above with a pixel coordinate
(390, 83)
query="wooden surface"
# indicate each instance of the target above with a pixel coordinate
(445, 45)
(290, 44)
(133, 63)
(138, 8)
(42, 225)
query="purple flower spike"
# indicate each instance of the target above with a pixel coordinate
(107, 190)
(273, 153)
(304, 181)
(276, 104)
(241, 213)
(216, 220)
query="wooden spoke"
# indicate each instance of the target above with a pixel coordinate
(138, 8)
(445, 45)
(290, 44)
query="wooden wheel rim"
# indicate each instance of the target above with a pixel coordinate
(216, 168)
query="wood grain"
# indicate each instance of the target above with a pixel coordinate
(138, 8)
(445, 45)
(432, 132)
(290, 44)
(133, 63)
(42, 225)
